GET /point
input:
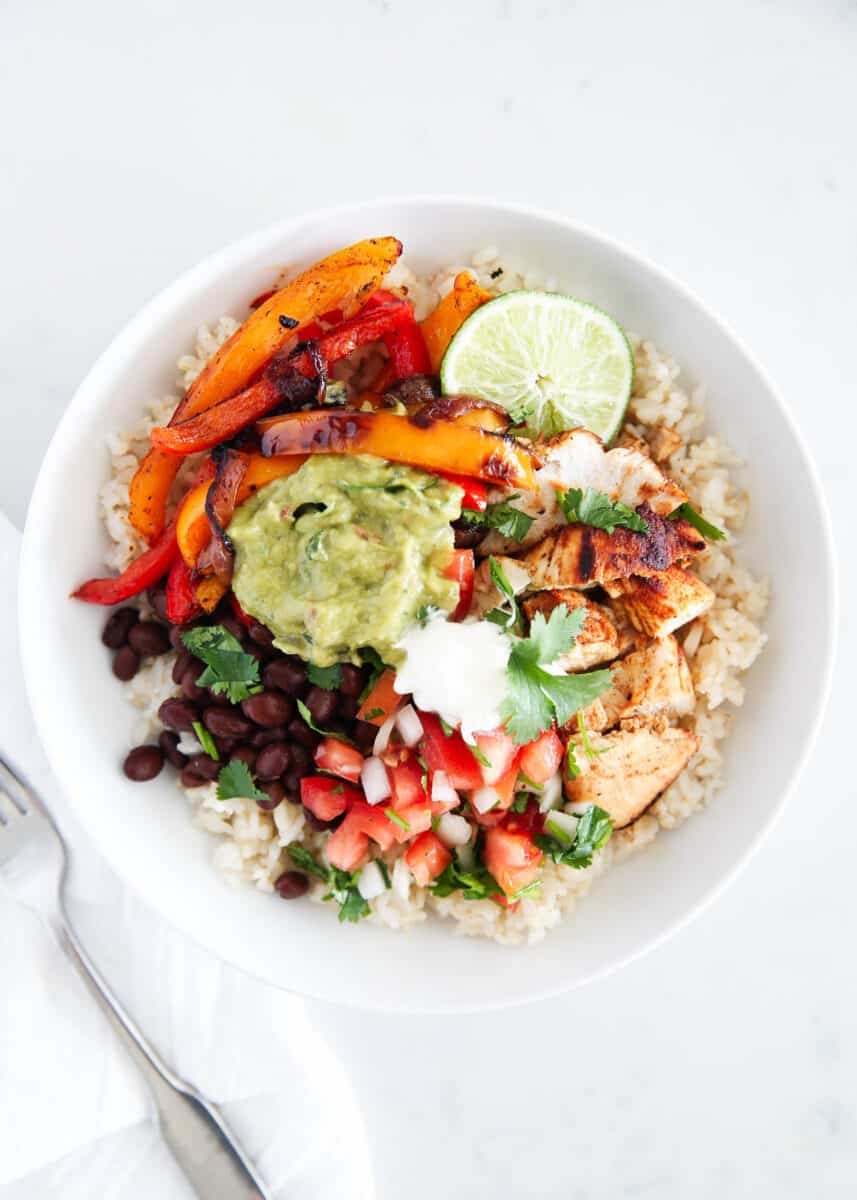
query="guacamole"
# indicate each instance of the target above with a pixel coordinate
(344, 554)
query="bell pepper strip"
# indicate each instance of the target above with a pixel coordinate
(209, 592)
(432, 445)
(407, 349)
(381, 321)
(144, 571)
(475, 495)
(381, 701)
(441, 326)
(244, 617)
(342, 281)
(463, 571)
(468, 410)
(182, 605)
(193, 528)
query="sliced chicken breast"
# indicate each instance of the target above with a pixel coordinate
(636, 766)
(578, 459)
(658, 604)
(602, 636)
(652, 682)
(580, 556)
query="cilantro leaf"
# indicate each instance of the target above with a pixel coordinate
(550, 639)
(228, 669)
(593, 831)
(686, 512)
(328, 678)
(373, 713)
(568, 693)
(572, 770)
(597, 509)
(510, 522)
(477, 883)
(206, 740)
(511, 619)
(303, 859)
(370, 658)
(448, 731)
(236, 782)
(307, 716)
(343, 889)
(526, 710)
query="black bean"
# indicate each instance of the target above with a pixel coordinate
(352, 680)
(225, 746)
(143, 762)
(234, 626)
(292, 780)
(149, 638)
(177, 714)
(176, 632)
(158, 600)
(301, 758)
(189, 683)
(119, 625)
(321, 704)
(348, 707)
(364, 734)
(467, 536)
(276, 795)
(244, 753)
(260, 634)
(126, 663)
(291, 885)
(184, 658)
(273, 760)
(265, 736)
(268, 708)
(299, 731)
(285, 673)
(315, 822)
(224, 721)
(169, 743)
(205, 766)
(191, 779)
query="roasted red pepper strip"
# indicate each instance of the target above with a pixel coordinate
(151, 566)
(475, 493)
(407, 349)
(181, 594)
(242, 616)
(381, 320)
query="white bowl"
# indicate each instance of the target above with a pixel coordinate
(146, 832)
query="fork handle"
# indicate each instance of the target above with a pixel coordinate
(194, 1129)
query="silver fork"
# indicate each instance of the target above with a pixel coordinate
(34, 861)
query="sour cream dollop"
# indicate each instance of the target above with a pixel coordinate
(458, 670)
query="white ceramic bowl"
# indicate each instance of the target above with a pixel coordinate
(145, 831)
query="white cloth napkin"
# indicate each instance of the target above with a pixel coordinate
(74, 1118)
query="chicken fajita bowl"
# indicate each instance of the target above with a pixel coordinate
(424, 592)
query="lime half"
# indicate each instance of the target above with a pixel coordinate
(553, 361)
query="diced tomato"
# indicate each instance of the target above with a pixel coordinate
(540, 759)
(427, 857)
(339, 758)
(475, 491)
(406, 780)
(449, 753)
(381, 701)
(501, 751)
(347, 845)
(505, 902)
(326, 798)
(504, 790)
(462, 570)
(512, 857)
(242, 616)
(417, 817)
(374, 822)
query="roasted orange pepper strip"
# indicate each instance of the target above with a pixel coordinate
(432, 444)
(441, 326)
(342, 281)
(192, 528)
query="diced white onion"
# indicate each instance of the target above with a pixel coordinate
(578, 807)
(371, 881)
(465, 856)
(401, 879)
(551, 794)
(562, 825)
(382, 738)
(454, 830)
(409, 725)
(484, 799)
(442, 791)
(375, 780)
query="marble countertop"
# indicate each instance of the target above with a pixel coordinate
(716, 138)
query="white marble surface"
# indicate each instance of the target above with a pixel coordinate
(716, 137)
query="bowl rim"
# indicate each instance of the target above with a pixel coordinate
(135, 330)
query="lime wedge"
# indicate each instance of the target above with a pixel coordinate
(553, 361)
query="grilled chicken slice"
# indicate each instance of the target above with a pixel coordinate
(602, 636)
(659, 604)
(635, 768)
(651, 682)
(577, 458)
(580, 556)
(486, 594)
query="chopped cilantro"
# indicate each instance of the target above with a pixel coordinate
(373, 713)
(303, 859)
(382, 867)
(519, 804)
(572, 770)
(512, 618)
(314, 549)
(228, 669)
(370, 658)
(481, 758)
(534, 888)
(597, 509)
(510, 522)
(307, 716)
(236, 782)
(686, 512)
(393, 816)
(343, 889)
(530, 783)
(593, 830)
(476, 884)
(328, 678)
(448, 731)
(206, 740)
(588, 749)
(424, 775)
